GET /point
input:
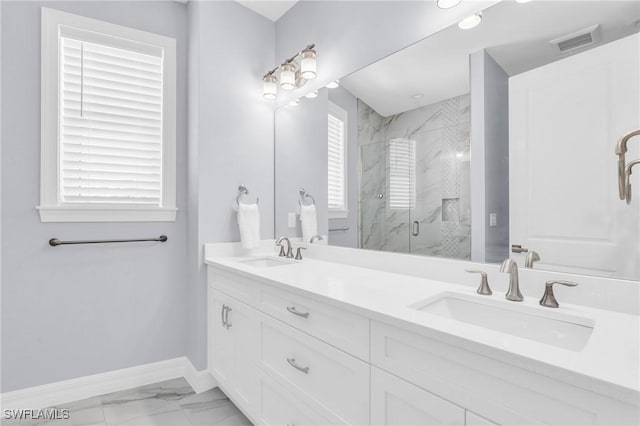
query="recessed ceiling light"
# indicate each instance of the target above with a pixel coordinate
(333, 84)
(417, 95)
(471, 21)
(446, 4)
(523, 1)
(312, 95)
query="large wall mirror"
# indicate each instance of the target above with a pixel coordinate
(481, 144)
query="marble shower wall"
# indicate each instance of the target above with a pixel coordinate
(442, 208)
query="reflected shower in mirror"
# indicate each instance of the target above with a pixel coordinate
(482, 144)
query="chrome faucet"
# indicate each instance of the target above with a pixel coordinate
(315, 237)
(532, 257)
(289, 252)
(511, 267)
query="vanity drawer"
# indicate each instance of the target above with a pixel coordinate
(395, 402)
(339, 381)
(338, 327)
(233, 285)
(495, 390)
(282, 406)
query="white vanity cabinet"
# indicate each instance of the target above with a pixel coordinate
(281, 359)
(493, 391)
(233, 348)
(291, 358)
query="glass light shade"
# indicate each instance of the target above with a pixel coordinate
(312, 95)
(446, 4)
(288, 76)
(333, 84)
(294, 102)
(308, 64)
(270, 87)
(470, 22)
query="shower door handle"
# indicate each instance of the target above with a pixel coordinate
(415, 231)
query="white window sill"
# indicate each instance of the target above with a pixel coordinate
(111, 214)
(338, 214)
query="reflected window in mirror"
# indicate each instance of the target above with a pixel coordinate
(402, 174)
(337, 174)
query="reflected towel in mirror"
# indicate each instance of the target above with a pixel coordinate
(249, 224)
(309, 221)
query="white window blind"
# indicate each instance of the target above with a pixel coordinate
(110, 124)
(337, 162)
(402, 174)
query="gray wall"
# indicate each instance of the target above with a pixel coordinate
(301, 161)
(345, 100)
(490, 153)
(230, 137)
(74, 311)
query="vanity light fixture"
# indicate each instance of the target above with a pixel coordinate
(312, 95)
(270, 86)
(288, 76)
(308, 64)
(470, 21)
(333, 84)
(446, 4)
(292, 74)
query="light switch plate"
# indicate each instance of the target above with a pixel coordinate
(493, 219)
(292, 219)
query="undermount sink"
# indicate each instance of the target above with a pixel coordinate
(265, 262)
(552, 328)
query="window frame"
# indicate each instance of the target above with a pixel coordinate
(343, 116)
(51, 208)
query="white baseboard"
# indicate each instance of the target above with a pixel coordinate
(53, 394)
(200, 381)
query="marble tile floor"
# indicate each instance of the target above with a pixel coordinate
(170, 403)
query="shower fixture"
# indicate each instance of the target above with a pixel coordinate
(624, 170)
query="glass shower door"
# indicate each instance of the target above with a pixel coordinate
(386, 195)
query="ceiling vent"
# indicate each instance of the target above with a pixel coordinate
(577, 40)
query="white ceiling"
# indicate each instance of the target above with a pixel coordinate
(270, 9)
(516, 35)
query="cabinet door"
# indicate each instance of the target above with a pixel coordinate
(220, 340)
(244, 327)
(396, 402)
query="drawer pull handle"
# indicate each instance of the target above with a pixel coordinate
(222, 312)
(292, 309)
(292, 362)
(226, 318)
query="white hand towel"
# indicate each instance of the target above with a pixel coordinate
(309, 221)
(249, 224)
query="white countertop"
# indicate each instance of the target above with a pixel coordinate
(608, 364)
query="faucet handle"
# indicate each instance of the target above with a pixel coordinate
(548, 298)
(484, 282)
(282, 253)
(299, 254)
